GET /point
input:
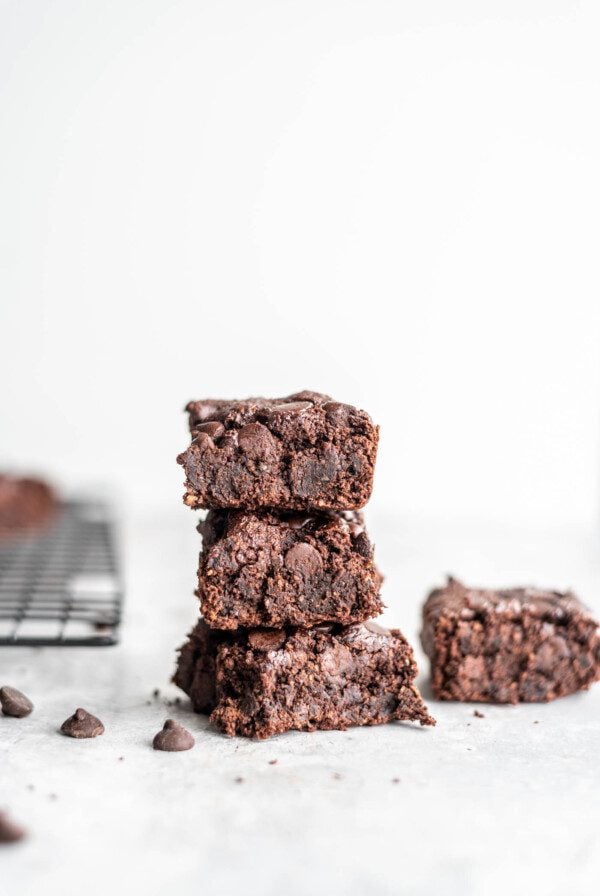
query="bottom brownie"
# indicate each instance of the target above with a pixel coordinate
(518, 645)
(265, 681)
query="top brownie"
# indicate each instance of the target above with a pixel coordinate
(295, 453)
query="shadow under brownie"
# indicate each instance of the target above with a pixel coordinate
(270, 569)
(264, 682)
(508, 646)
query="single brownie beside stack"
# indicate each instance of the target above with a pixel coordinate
(509, 646)
(286, 579)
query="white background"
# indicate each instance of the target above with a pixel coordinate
(393, 202)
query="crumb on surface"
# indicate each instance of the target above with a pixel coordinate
(478, 715)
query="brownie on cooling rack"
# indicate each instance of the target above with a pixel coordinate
(25, 504)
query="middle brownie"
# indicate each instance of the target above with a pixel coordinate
(273, 569)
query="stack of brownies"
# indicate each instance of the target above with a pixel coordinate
(286, 579)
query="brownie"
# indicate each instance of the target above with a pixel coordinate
(273, 569)
(25, 504)
(295, 453)
(521, 644)
(265, 681)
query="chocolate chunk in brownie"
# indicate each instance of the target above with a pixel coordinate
(521, 644)
(25, 504)
(303, 451)
(273, 569)
(260, 683)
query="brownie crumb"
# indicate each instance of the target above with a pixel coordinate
(395, 780)
(9, 831)
(239, 780)
(336, 776)
(173, 738)
(156, 692)
(14, 703)
(478, 715)
(273, 761)
(82, 724)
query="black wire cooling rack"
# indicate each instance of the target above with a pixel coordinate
(62, 587)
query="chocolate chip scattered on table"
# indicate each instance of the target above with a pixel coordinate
(261, 683)
(82, 724)
(14, 703)
(303, 451)
(273, 569)
(508, 646)
(10, 831)
(173, 738)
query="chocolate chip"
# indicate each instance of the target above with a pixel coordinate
(266, 639)
(9, 831)
(309, 395)
(362, 545)
(202, 439)
(14, 703)
(256, 440)
(213, 428)
(290, 407)
(82, 724)
(309, 475)
(298, 520)
(336, 412)
(201, 411)
(304, 560)
(173, 738)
